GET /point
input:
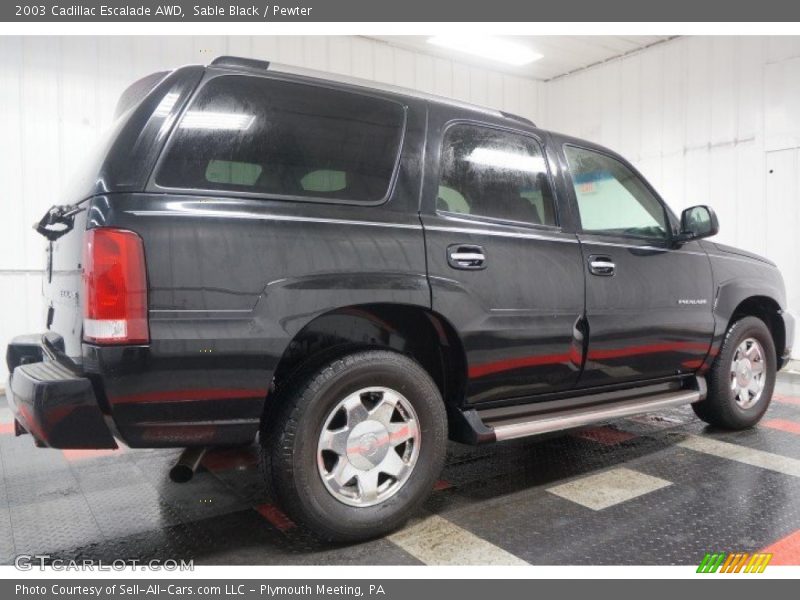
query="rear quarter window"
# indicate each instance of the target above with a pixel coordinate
(283, 139)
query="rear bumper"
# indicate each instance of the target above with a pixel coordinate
(50, 400)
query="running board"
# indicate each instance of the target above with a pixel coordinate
(488, 428)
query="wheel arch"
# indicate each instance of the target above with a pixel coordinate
(769, 311)
(413, 330)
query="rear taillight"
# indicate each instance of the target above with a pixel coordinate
(115, 288)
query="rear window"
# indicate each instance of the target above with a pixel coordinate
(254, 135)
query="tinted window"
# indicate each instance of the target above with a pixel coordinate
(612, 199)
(285, 139)
(495, 174)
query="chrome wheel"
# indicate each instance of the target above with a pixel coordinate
(368, 446)
(748, 373)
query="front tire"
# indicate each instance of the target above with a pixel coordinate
(742, 378)
(356, 445)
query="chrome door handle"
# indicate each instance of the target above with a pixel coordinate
(466, 256)
(602, 266)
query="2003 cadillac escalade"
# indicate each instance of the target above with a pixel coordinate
(354, 273)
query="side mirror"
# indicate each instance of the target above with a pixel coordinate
(697, 222)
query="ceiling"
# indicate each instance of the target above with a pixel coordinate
(562, 54)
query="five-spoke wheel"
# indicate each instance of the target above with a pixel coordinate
(356, 444)
(368, 446)
(748, 373)
(742, 377)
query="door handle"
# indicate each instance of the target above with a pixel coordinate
(601, 265)
(466, 256)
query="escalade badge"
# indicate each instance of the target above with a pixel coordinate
(692, 301)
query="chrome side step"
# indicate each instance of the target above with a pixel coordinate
(509, 429)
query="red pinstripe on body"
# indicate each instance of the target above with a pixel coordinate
(190, 395)
(574, 356)
(648, 349)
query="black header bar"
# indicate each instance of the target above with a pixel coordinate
(401, 11)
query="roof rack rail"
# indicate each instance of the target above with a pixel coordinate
(242, 63)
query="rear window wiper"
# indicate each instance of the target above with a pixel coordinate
(58, 221)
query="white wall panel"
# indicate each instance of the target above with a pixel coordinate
(722, 82)
(12, 240)
(783, 189)
(782, 104)
(424, 73)
(698, 116)
(404, 68)
(58, 94)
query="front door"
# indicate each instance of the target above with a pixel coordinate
(502, 270)
(648, 302)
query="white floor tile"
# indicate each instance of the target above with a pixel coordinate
(608, 488)
(436, 541)
(742, 454)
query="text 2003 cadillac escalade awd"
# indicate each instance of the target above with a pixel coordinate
(355, 273)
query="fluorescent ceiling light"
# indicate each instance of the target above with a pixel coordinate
(489, 47)
(500, 159)
(200, 119)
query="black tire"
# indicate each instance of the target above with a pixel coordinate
(720, 408)
(290, 438)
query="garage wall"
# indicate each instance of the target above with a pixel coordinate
(707, 120)
(58, 94)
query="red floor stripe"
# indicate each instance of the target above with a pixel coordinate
(658, 421)
(442, 485)
(786, 399)
(605, 435)
(783, 425)
(275, 516)
(77, 455)
(786, 550)
(227, 460)
(6, 429)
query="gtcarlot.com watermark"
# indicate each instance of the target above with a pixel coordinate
(29, 562)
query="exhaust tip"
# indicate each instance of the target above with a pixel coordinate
(181, 473)
(186, 465)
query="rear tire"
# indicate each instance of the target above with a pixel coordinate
(742, 378)
(355, 445)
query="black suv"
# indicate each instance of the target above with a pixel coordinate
(355, 273)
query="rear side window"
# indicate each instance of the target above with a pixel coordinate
(247, 134)
(497, 174)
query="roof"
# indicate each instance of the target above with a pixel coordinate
(254, 65)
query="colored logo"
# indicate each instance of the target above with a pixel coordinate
(739, 562)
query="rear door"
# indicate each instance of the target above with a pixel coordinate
(502, 268)
(648, 302)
